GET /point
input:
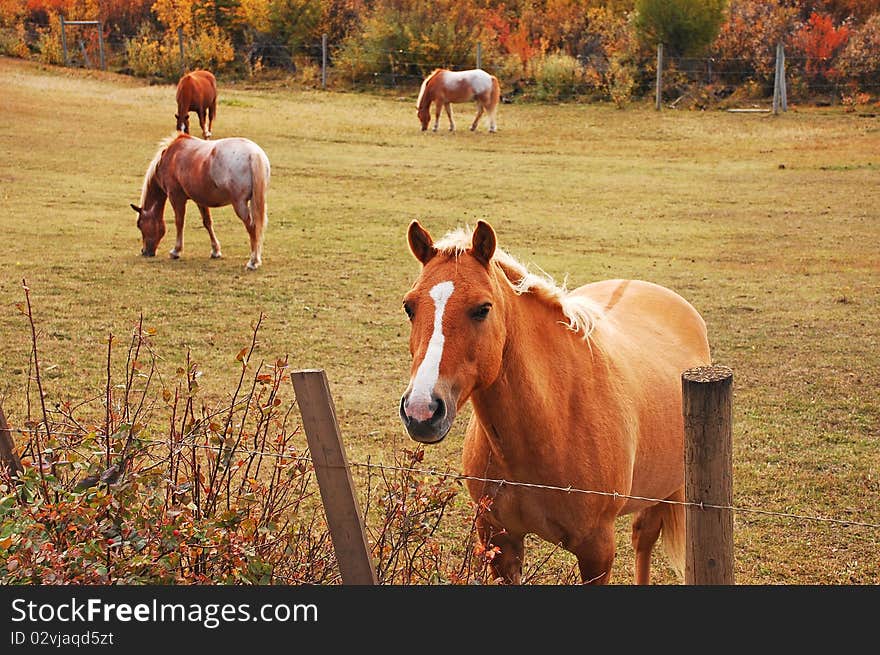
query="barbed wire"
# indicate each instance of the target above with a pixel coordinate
(501, 482)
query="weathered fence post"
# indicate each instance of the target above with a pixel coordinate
(334, 477)
(182, 57)
(707, 393)
(8, 455)
(783, 86)
(479, 55)
(659, 83)
(780, 93)
(64, 43)
(323, 61)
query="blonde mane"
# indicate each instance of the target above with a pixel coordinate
(425, 86)
(151, 169)
(581, 313)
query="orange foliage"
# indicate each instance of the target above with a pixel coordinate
(819, 40)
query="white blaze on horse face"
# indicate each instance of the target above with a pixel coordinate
(429, 370)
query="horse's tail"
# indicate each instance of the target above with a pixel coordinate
(260, 172)
(496, 92)
(673, 532)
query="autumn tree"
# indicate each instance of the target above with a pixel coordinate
(820, 40)
(684, 27)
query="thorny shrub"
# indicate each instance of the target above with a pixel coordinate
(151, 485)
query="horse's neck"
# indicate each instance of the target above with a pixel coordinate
(155, 197)
(543, 364)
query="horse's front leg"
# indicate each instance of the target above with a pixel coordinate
(178, 204)
(206, 132)
(438, 109)
(208, 222)
(448, 107)
(595, 555)
(503, 550)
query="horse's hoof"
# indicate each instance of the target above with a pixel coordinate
(216, 255)
(252, 267)
(174, 254)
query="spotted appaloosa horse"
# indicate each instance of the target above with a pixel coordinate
(232, 171)
(197, 91)
(443, 87)
(573, 389)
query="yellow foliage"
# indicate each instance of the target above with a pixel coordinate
(254, 13)
(174, 13)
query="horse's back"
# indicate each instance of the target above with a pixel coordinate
(233, 158)
(475, 81)
(649, 318)
(198, 86)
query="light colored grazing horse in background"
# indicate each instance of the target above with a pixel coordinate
(573, 389)
(232, 171)
(443, 87)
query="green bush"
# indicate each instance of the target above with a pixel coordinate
(558, 76)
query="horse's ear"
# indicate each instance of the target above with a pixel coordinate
(136, 208)
(421, 243)
(483, 242)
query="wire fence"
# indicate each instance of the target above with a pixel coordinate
(187, 442)
(400, 68)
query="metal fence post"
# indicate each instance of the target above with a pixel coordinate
(101, 44)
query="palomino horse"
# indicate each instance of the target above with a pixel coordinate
(232, 171)
(197, 91)
(443, 87)
(573, 389)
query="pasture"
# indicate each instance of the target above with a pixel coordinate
(768, 225)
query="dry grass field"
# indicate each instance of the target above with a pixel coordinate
(769, 225)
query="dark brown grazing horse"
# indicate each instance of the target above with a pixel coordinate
(197, 91)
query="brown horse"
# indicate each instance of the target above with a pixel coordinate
(443, 87)
(577, 389)
(232, 171)
(197, 91)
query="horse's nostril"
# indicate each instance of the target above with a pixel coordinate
(439, 410)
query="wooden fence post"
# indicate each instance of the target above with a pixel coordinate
(783, 87)
(707, 393)
(334, 477)
(780, 92)
(8, 455)
(659, 84)
(182, 56)
(64, 43)
(479, 58)
(323, 61)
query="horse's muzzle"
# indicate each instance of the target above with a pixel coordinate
(148, 253)
(431, 430)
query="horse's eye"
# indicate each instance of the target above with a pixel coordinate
(481, 312)
(409, 310)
